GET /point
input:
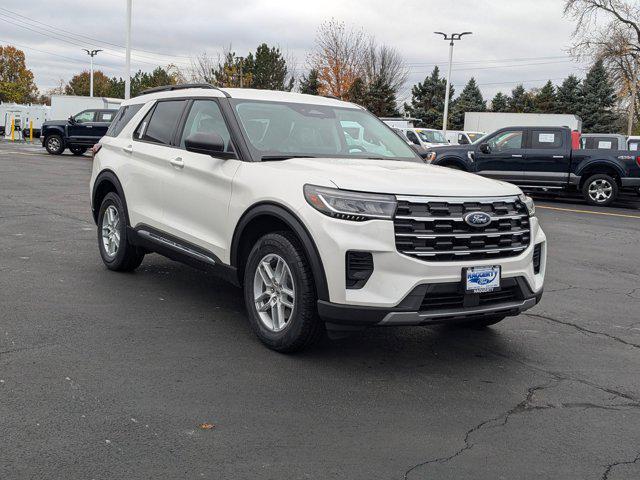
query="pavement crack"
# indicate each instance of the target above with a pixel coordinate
(584, 330)
(611, 466)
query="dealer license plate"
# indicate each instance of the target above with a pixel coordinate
(482, 279)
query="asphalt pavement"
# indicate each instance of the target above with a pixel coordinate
(156, 374)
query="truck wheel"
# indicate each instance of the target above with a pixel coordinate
(78, 150)
(116, 251)
(480, 322)
(600, 189)
(54, 144)
(280, 294)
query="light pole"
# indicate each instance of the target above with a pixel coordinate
(127, 73)
(91, 53)
(451, 38)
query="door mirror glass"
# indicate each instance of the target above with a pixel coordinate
(485, 148)
(207, 143)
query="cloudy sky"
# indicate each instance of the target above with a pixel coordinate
(513, 41)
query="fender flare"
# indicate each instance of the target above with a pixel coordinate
(54, 130)
(294, 223)
(456, 160)
(111, 177)
(600, 162)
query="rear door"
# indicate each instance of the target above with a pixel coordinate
(102, 121)
(547, 159)
(505, 159)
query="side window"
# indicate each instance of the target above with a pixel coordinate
(541, 139)
(121, 118)
(159, 125)
(413, 138)
(205, 117)
(86, 116)
(507, 140)
(105, 117)
(462, 139)
(633, 145)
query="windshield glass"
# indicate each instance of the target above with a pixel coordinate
(431, 136)
(474, 136)
(278, 129)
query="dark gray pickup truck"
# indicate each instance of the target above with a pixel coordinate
(542, 158)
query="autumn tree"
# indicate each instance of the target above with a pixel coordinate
(79, 84)
(16, 80)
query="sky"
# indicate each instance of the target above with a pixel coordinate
(513, 41)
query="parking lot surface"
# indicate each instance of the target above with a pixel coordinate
(156, 374)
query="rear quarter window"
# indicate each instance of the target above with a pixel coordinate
(122, 118)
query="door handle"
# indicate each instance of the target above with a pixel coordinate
(128, 149)
(516, 156)
(558, 156)
(177, 162)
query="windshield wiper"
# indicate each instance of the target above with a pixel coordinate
(269, 158)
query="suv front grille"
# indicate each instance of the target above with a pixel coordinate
(433, 228)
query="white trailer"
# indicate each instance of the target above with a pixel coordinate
(399, 122)
(492, 121)
(22, 116)
(63, 106)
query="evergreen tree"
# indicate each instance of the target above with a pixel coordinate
(545, 100)
(270, 70)
(310, 84)
(521, 100)
(357, 92)
(380, 99)
(598, 101)
(470, 100)
(500, 103)
(569, 96)
(427, 100)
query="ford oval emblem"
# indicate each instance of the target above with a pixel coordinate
(477, 219)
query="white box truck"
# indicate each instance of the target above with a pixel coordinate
(63, 106)
(492, 121)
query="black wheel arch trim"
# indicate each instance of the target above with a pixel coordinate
(292, 221)
(600, 163)
(111, 177)
(442, 162)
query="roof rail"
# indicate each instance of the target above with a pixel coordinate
(183, 86)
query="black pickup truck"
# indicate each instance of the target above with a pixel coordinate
(79, 133)
(542, 158)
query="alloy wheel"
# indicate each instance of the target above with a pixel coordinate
(111, 231)
(600, 190)
(274, 292)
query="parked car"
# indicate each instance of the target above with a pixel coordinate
(541, 158)
(424, 137)
(79, 133)
(456, 137)
(603, 141)
(321, 233)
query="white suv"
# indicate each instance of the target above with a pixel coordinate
(323, 229)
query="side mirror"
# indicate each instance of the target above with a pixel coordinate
(485, 148)
(72, 120)
(206, 143)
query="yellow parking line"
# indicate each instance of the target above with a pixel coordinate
(592, 212)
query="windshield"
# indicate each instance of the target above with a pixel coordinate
(475, 136)
(431, 136)
(284, 130)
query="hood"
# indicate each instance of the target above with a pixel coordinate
(55, 122)
(398, 177)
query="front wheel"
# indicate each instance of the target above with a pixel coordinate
(600, 189)
(280, 294)
(78, 150)
(54, 145)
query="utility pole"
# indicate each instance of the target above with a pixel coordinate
(634, 93)
(127, 68)
(91, 53)
(450, 38)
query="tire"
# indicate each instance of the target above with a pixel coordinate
(78, 150)
(118, 254)
(480, 323)
(302, 327)
(54, 144)
(600, 189)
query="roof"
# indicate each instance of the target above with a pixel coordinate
(243, 94)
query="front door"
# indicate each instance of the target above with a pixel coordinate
(505, 156)
(197, 191)
(81, 129)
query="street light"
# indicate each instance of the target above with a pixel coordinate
(451, 38)
(91, 53)
(127, 73)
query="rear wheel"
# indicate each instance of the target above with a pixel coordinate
(54, 144)
(78, 150)
(600, 189)
(116, 251)
(280, 294)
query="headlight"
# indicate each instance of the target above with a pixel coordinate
(528, 202)
(348, 205)
(430, 157)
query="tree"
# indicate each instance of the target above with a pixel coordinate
(16, 80)
(500, 103)
(598, 101)
(569, 96)
(470, 100)
(381, 99)
(545, 99)
(385, 65)
(79, 84)
(310, 84)
(270, 70)
(521, 100)
(427, 100)
(233, 71)
(357, 92)
(338, 56)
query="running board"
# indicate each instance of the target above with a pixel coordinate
(153, 237)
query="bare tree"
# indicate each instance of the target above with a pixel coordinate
(384, 64)
(338, 56)
(202, 67)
